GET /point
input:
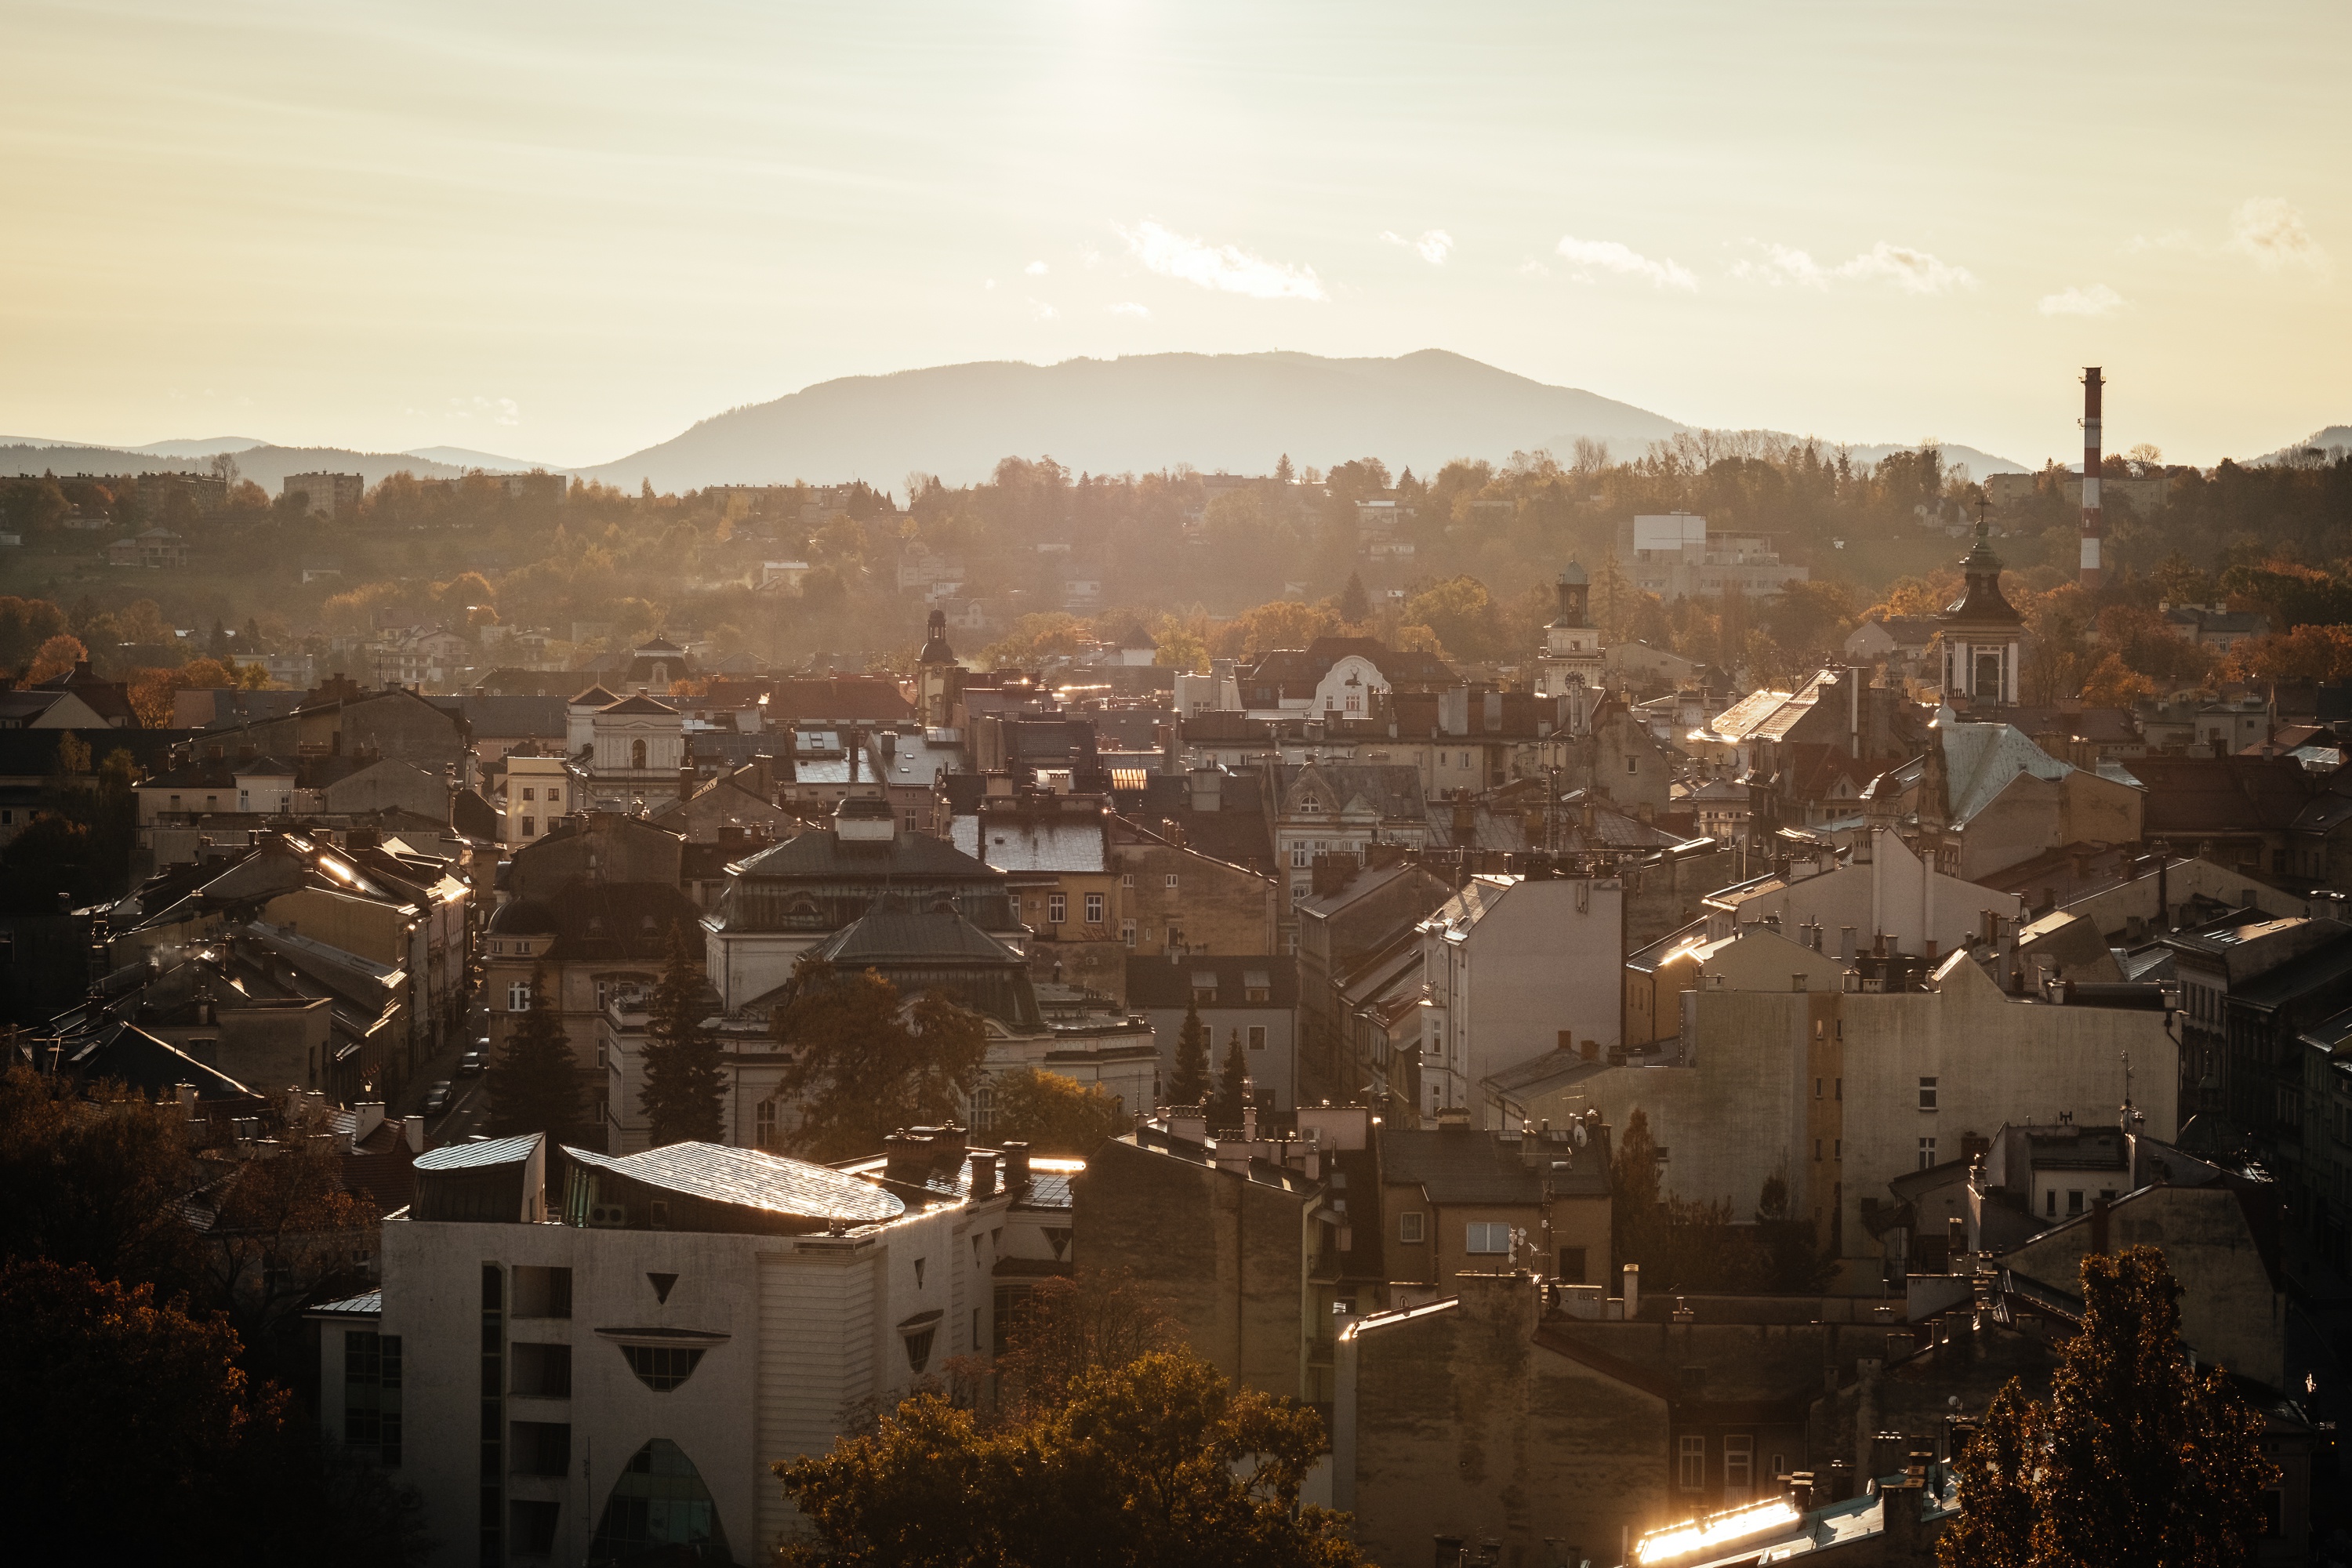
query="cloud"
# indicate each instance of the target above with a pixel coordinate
(1916, 271)
(1226, 268)
(1432, 245)
(1612, 257)
(1129, 308)
(497, 410)
(1036, 269)
(1531, 267)
(2271, 231)
(1042, 310)
(2098, 299)
(2170, 240)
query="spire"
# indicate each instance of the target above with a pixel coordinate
(1983, 602)
(935, 644)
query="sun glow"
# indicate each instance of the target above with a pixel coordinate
(1714, 1530)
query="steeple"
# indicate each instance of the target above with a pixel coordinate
(935, 645)
(1981, 632)
(1575, 591)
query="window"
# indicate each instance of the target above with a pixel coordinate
(519, 996)
(1298, 854)
(531, 1526)
(542, 1371)
(2050, 1204)
(1409, 1227)
(1571, 1266)
(1837, 1148)
(1302, 890)
(371, 1394)
(1171, 882)
(919, 1348)
(1926, 1153)
(1094, 909)
(1127, 932)
(531, 827)
(1739, 1465)
(1258, 1036)
(1485, 1238)
(1817, 1088)
(663, 1367)
(637, 755)
(1127, 880)
(529, 793)
(1058, 908)
(764, 1125)
(554, 795)
(659, 1501)
(1927, 1094)
(1690, 1463)
(2074, 1203)
(1633, 765)
(1817, 1151)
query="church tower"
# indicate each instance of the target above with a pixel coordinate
(1981, 633)
(938, 678)
(1572, 654)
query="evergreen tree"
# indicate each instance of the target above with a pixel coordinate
(1190, 1085)
(1355, 604)
(2135, 1459)
(1282, 469)
(684, 1095)
(534, 1084)
(863, 1062)
(1233, 1092)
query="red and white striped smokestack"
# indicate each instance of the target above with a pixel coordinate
(2092, 530)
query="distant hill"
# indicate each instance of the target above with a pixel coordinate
(1216, 412)
(205, 447)
(2335, 440)
(488, 462)
(264, 465)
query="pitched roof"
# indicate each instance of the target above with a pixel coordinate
(1019, 842)
(929, 936)
(2188, 795)
(1154, 982)
(1982, 759)
(821, 853)
(640, 703)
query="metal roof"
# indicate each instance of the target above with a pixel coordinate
(472, 1156)
(746, 1178)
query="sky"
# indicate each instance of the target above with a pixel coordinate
(564, 232)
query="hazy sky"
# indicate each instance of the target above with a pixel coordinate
(563, 232)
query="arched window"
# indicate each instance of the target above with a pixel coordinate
(659, 1500)
(637, 755)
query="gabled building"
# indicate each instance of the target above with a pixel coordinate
(1514, 965)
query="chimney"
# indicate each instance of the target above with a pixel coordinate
(2099, 1218)
(983, 1177)
(686, 780)
(1632, 1291)
(2092, 529)
(1207, 787)
(1800, 1491)
(414, 1128)
(1016, 1167)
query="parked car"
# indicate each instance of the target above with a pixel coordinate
(437, 1098)
(472, 1063)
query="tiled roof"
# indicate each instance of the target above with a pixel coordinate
(1018, 844)
(2188, 795)
(747, 1178)
(1982, 760)
(929, 936)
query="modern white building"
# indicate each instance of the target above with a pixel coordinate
(611, 1374)
(1512, 966)
(1676, 556)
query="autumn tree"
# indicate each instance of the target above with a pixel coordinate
(685, 1096)
(55, 658)
(1053, 1114)
(1094, 1321)
(2136, 1457)
(1189, 1084)
(1157, 1464)
(97, 1181)
(283, 1233)
(865, 1063)
(534, 1083)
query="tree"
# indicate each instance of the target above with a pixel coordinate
(1189, 1084)
(224, 1466)
(1155, 1464)
(95, 1180)
(283, 1235)
(2111, 684)
(1090, 1321)
(56, 657)
(1226, 1105)
(863, 1064)
(534, 1083)
(1634, 1219)
(1355, 604)
(1053, 1114)
(684, 1093)
(2135, 1458)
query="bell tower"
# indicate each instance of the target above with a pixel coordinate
(938, 677)
(1982, 633)
(1572, 654)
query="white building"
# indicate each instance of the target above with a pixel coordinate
(1675, 556)
(634, 748)
(1883, 890)
(1572, 656)
(613, 1373)
(1513, 966)
(539, 795)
